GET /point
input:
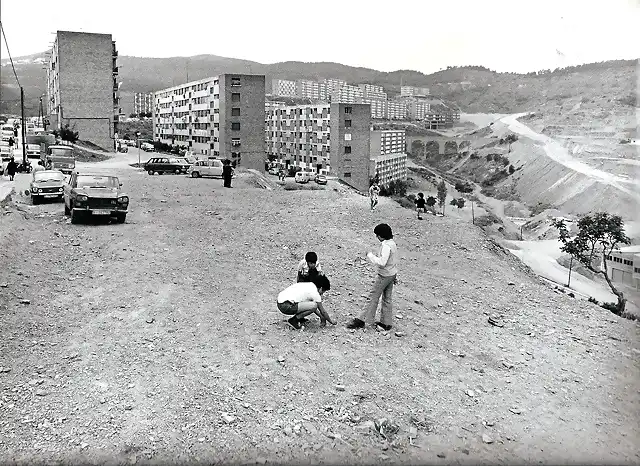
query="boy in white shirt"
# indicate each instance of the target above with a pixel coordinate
(304, 298)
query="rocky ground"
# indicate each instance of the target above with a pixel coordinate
(159, 340)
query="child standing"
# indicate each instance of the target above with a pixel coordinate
(421, 205)
(309, 267)
(383, 285)
(374, 191)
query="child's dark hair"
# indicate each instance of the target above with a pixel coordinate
(383, 230)
(311, 257)
(420, 195)
(321, 281)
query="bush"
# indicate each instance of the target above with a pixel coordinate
(66, 134)
(486, 220)
(405, 202)
(512, 169)
(613, 307)
(505, 161)
(489, 157)
(474, 156)
(593, 300)
(463, 187)
(540, 207)
(494, 178)
(394, 188)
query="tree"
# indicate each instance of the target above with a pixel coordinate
(442, 195)
(431, 201)
(454, 202)
(598, 234)
(66, 134)
(464, 188)
(460, 203)
(132, 115)
(512, 169)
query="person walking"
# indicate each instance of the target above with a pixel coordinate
(227, 173)
(383, 286)
(420, 205)
(12, 167)
(374, 191)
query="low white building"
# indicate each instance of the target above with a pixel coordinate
(623, 266)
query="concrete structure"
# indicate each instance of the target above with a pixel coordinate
(395, 110)
(346, 94)
(410, 91)
(283, 87)
(350, 144)
(271, 104)
(82, 86)
(443, 140)
(305, 135)
(378, 107)
(142, 102)
(221, 116)
(388, 157)
(416, 109)
(372, 91)
(311, 90)
(623, 266)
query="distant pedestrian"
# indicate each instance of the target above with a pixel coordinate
(12, 167)
(281, 175)
(383, 285)
(421, 205)
(227, 173)
(11, 142)
(374, 191)
(309, 267)
(302, 299)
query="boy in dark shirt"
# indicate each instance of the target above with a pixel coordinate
(420, 205)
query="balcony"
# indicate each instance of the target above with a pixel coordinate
(115, 70)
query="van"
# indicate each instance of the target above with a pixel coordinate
(147, 147)
(302, 177)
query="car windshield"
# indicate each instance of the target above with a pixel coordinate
(64, 152)
(48, 176)
(98, 182)
(174, 161)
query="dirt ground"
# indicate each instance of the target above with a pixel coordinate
(159, 341)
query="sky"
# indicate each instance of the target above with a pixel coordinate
(423, 35)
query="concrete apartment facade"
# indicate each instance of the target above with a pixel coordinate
(623, 266)
(284, 87)
(221, 117)
(82, 86)
(303, 135)
(410, 91)
(388, 157)
(142, 102)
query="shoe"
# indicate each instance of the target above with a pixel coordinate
(355, 323)
(384, 327)
(295, 323)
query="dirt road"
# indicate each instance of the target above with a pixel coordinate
(159, 339)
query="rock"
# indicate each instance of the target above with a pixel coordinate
(280, 359)
(4, 370)
(340, 388)
(413, 432)
(128, 408)
(399, 316)
(486, 438)
(25, 301)
(515, 410)
(465, 451)
(507, 364)
(400, 334)
(226, 417)
(151, 320)
(470, 393)
(41, 393)
(496, 321)
(366, 427)
(334, 436)
(4, 285)
(511, 283)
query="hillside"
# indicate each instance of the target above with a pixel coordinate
(475, 89)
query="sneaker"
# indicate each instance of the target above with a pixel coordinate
(384, 327)
(295, 323)
(355, 323)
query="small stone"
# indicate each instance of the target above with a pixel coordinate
(4, 370)
(507, 364)
(465, 451)
(340, 388)
(366, 427)
(228, 418)
(511, 283)
(486, 438)
(413, 432)
(281, 359)
(441, 455)
(128, 408)
(400, 334)
(151, 320)
(25, 301)
(41, 393)
(515, 410)
(399, 316)
(4, 285)
(470, 393)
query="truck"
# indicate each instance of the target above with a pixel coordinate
(57, 157)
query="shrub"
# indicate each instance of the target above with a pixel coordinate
(394, 188)
(505, 161)
(405, 202)
(489, 157)
(486, 220)
(613, 307)
(66, 134)
(474, 156)
(512, 169)
(540, 207)
(593, 300)
(494, 178)
(463, 187)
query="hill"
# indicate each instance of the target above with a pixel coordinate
(474, 88)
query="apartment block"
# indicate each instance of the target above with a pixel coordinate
(388, 156)
(416, 109)
(271, 104)
(441, 120)
(350, 144)
(395, 110)
(311, 90)
(346, 94)
(331, 84)
(221, 117)
(372, 91)
(284, 87)
(142, 102)
(410, 91)
(303, 135)
(82, 86)
(378, 107)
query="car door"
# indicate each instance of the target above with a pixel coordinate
(216, 169)
(163, 164)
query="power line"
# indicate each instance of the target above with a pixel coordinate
(11, 59)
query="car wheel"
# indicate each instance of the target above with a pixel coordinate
(150, 172)
(35, 200)
(120, 218)
(66, 209)
(75, 216)
(177, 171)
(195, 174)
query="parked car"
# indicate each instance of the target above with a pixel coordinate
(122, 148)
(162, 165)
(47, 184)
(210, 167)
(302, 177)
(33, 151)
(5, 153)
(320, 179)
(188, 160)
(88, 194)
(147, 147)
(274, 170)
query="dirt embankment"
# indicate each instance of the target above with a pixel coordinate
(159, 339)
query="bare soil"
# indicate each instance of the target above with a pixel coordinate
(158, 341)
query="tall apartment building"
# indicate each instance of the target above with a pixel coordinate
(416, 109)
(388, 156)
(346, 94)
(410, 91)
(395, 110)
(378, 107)
(305, 136)
(350, 144)
(311, 90)
(372, 91)
(333, 84)
(221, 116)
(142, 102)
(284, 87)
(82, 86)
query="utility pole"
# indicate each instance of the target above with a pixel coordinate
(570, 267)
(473, 217)
(24, 147)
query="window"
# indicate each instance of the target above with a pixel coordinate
(347, 109)
(347, 175)
(347, 149)
(235, 126)
(235, 111)
(235, 97)
(235, 82)
(347, 123)
(235, 142)
(347, 137)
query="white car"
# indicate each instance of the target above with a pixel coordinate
(211, 167)
(302, 177)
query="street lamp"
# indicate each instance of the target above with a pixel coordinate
(138, 144)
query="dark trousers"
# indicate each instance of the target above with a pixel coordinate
(227, 181)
